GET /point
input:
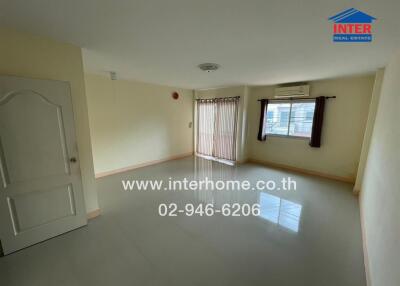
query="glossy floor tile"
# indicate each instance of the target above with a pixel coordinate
(310, 236)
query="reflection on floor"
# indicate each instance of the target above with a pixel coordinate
(308, 237)
(282, 212)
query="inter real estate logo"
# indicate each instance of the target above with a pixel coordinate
(352, 25)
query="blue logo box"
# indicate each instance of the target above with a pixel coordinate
(361, 38)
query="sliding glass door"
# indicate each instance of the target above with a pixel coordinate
(217, 127)
(205, 127)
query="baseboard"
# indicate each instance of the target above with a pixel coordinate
(364, 244)
(302, 171)
(145, 164)
(93, 214)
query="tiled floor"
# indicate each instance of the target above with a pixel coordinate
(308, 237)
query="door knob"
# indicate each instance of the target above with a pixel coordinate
(72, 160)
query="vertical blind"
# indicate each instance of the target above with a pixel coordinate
(216, 128)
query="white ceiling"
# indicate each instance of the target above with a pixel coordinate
(255, 41)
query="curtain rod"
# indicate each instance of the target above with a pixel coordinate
(294, 98)
(218, 98)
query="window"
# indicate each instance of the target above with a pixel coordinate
(290, 118)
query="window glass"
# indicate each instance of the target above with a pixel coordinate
(290, 118)
(278, 118)
(301, 119)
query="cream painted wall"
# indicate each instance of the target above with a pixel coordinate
(342, 134)
(373, 108)
(243, 92)
(133, 123)
(380, 190)
(26, 55)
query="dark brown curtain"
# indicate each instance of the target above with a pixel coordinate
(261, 129)
(317, 122)
(217, 127)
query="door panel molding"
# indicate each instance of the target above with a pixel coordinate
(7, 99)
(3, 168)
(19, 228)
(63, 141)
(10, 95)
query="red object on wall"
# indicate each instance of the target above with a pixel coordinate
(175, 95)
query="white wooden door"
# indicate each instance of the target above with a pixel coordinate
(40, 183)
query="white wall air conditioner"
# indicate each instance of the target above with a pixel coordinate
(292, 91)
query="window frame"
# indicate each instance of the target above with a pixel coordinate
(290, 101)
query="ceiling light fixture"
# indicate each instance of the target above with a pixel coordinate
(208, 67)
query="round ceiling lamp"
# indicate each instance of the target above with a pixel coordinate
(208, 67)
